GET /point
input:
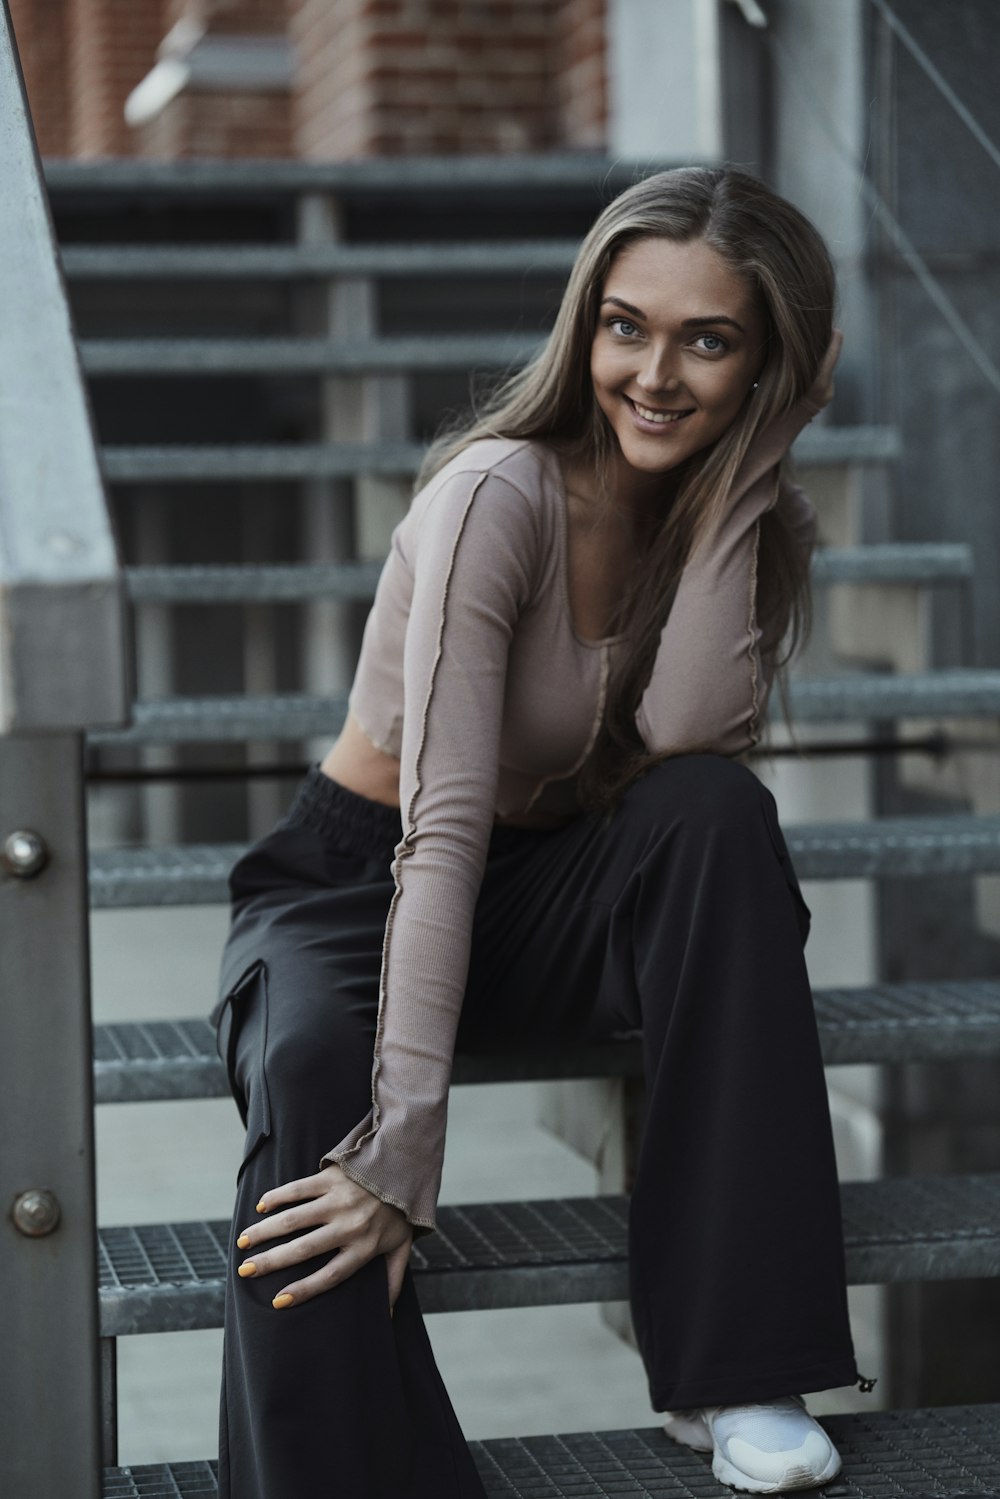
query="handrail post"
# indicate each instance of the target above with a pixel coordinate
(49, 1415)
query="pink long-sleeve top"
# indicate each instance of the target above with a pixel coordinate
(472, 674)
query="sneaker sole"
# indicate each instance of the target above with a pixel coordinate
(793, 1477)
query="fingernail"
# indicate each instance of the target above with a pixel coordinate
(260, 1206)
(243, 1242)
(247, 1268)
(285, 1299)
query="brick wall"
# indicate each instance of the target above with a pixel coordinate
(231, 17)
(581, 73)
(400, 77)
(372, 77)
(230, 124)
(111, 45)
(40, 33)
(223, 119)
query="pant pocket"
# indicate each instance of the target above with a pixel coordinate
(240, 1020)
(802, 911)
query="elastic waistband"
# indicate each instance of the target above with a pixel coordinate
(368, 827)
(358, 823)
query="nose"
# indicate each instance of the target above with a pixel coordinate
(656, 372)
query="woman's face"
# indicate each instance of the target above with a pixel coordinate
(679, 342)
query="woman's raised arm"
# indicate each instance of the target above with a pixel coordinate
(709, 685)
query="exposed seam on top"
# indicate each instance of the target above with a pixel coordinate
(406, 844)
(602, 692)
(751, 642)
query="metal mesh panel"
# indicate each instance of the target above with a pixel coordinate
(952, 1453)
(290, 716)
(161, 1481)
(886, 1023)
(157, 1254)
(160, 1276)
(195, 874)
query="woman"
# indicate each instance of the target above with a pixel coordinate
(555, 839)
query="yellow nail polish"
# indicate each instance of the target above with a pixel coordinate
(285, 1299)
(247, 1268)
(243, 1242)
(260, 1206)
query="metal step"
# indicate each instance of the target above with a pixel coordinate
(545, 175)
(911, 847)
(967, 692)
(258, 463)
(288, 583)
(904, 1022)
(162, 1277)
(303, 356)
(948, 1453)
(961, 692)
(894, 562)
(818, 447)
(902, 563)
(302, 262)
(219, 720)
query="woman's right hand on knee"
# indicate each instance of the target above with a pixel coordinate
(328, 1211)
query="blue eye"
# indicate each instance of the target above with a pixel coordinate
(717, 344)
(622, 326)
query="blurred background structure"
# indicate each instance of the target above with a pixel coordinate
(290, 231)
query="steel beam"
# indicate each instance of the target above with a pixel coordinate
(49, 1413)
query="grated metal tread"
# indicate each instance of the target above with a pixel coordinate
(581, 174)
(904, 1022)
(160, 1276)
(286, 583)
(955, 693)
(296, 262)
(248, 463)
(182, 463)
(302, 356)
(952, 1452)
(907, 563)
(966, 692)
(216, 720)
(910, 847)
(894, 562)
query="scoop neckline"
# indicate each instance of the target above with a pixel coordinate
(563, 508)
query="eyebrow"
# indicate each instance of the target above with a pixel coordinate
(691, 322)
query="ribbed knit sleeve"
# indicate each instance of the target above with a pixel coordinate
(708, 686)
(473, 549)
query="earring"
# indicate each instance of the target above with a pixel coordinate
(755, 384)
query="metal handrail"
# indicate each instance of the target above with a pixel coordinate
(62, 622)
(62, 670)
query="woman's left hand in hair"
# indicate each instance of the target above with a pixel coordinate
(328, 1211)
(772, 442)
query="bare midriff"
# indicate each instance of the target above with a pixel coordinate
(355, 762)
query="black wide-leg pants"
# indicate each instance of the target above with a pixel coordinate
(680, 916)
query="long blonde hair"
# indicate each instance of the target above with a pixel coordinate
(781, 255)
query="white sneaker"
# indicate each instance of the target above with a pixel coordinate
(764, 1447)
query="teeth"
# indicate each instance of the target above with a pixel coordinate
(662, 418)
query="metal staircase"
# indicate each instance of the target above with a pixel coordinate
(337, 232)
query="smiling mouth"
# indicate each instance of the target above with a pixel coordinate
(660, 418)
